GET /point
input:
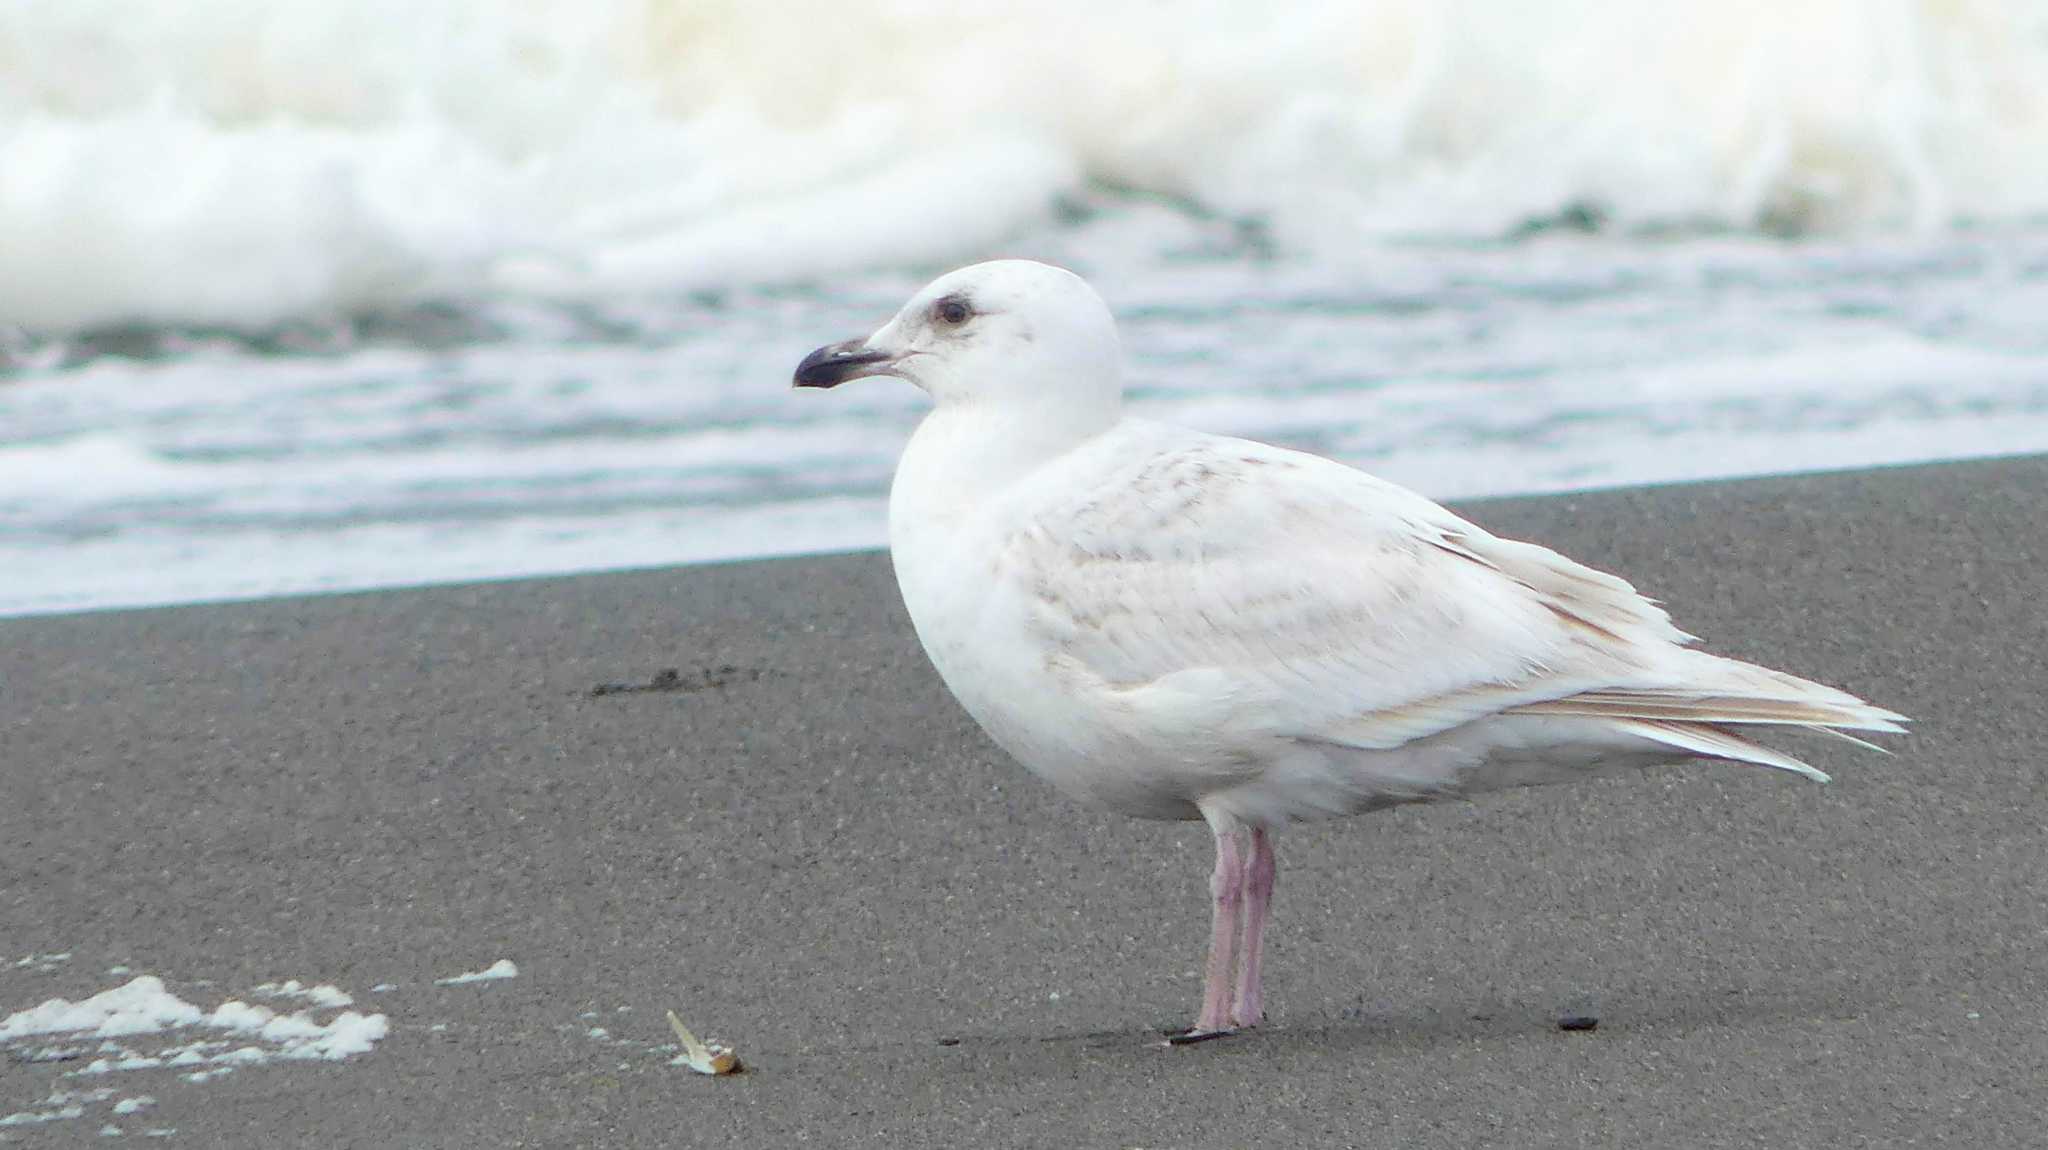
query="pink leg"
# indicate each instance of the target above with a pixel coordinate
(1259, 869)
(1227, 887)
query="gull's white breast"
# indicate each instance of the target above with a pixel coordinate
(965, 549)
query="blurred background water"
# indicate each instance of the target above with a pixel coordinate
(314, 294)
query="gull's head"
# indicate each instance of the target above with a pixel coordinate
(1005, 333)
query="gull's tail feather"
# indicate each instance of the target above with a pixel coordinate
(1713, 743)
(1708, 707)
(1723, 693)
(1866, 744)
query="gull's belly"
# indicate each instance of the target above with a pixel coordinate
(1082, 745)
(1091, 745)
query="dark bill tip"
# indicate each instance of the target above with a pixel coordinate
(835, 363)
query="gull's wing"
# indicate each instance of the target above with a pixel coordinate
(1304, 598)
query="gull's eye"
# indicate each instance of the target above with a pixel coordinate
(952, 311)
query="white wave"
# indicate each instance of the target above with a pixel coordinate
(221, 162)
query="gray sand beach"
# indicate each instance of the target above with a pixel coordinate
(804, 847)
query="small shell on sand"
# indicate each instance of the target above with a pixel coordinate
(702, 1057)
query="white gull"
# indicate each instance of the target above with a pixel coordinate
(1178, 625)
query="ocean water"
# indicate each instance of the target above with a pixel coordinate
(309, 294)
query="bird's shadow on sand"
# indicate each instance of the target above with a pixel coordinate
(1365, 1031)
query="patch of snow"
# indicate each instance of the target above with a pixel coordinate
(131, 1105)
(382, 987)
(503, 968)
(117, 970)
(599, 1032)
(110, 1131)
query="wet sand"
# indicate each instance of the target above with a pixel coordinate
(803, 846)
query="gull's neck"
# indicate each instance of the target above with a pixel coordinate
(965, 454)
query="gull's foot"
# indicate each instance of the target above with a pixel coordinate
(1190, 1037)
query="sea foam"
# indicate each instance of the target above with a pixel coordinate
(218, 163)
